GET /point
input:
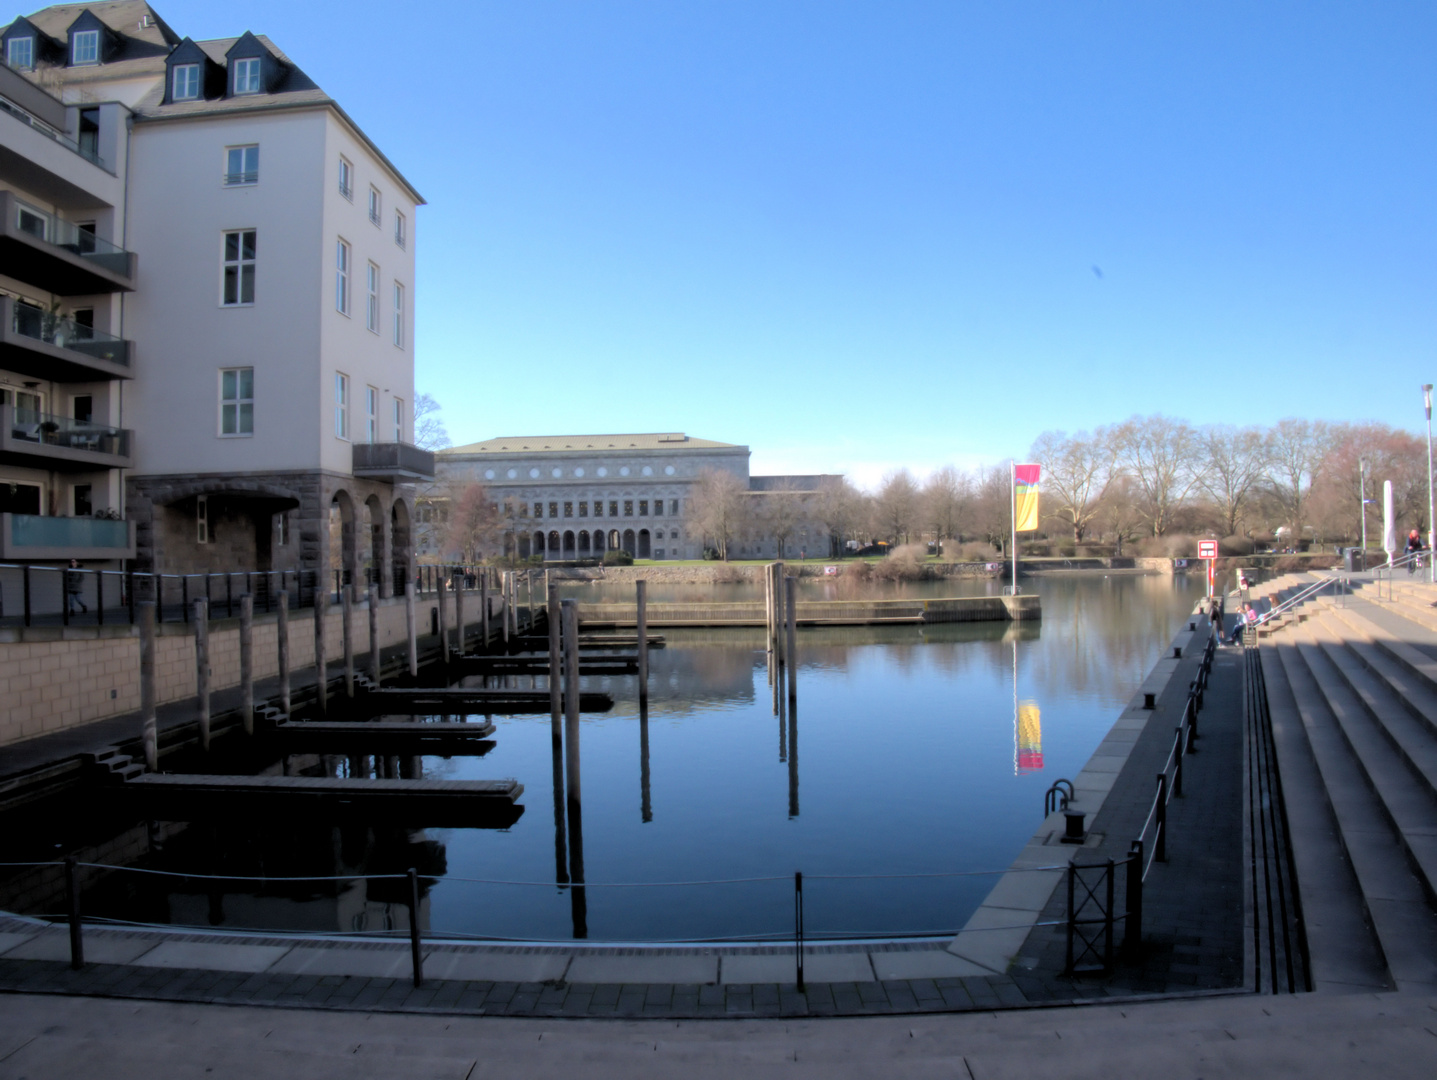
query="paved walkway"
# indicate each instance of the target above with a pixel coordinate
(1304, 1037)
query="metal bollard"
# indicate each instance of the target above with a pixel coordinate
(798, 926)
(1133, 930)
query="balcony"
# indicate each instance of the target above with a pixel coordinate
(31, 538)
(58, 256)
(394, 463)
(55, 349)
(36, 440)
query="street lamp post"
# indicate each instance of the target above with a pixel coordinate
(1362, 498)
(1427, 404)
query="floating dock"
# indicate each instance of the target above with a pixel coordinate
(485, 804)
(454, 700)
(821, 612)
(539, 665)
(446, 738)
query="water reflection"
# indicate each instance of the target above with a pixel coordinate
(920, 750)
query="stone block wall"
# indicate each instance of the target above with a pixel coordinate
(52, 678)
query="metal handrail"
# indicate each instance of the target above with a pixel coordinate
(1387, 571)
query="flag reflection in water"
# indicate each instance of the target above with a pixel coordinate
(1028, 738)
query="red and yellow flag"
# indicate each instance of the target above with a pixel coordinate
(1025, 497)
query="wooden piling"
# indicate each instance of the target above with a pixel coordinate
(374, 657)
(504, 605)
(411, 631)
(556, 699)
(459, 612)
(246, 660)
(321, 666)
(443, 620)
(641, 591)
(790, 650)
(148, 728)
(484, 613)
(347, 626)
(202, 669)
(281, 627)
(571, 698)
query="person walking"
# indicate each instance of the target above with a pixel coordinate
(74, 587)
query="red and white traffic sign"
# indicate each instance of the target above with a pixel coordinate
(1207, 549)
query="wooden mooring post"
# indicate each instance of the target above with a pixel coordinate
(246, 662)
(321, 666)
(347, 626)
(790, 650)
(484, 613)
(443, 621)
(641, 591)
(459, 612)
(374, 657)
(410, 630)
(571, 699)
(148, 728)
(202, 669)
(281, 627)
(556, 697)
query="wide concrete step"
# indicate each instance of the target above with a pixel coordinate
(1355, 762)
(1408, 672)
(1343, 950)
(1414, 606)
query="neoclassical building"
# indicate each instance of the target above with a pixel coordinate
(578, 496)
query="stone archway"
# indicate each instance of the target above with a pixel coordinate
(598, 541)
(343, 556)
(629, 543)
(538, 545)
(568, 545)
(583, 542)
(615, 542)
(373, 546)
(401, 550)
(645, 549)
(554, 549)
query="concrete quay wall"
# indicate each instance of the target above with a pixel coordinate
(53, 678)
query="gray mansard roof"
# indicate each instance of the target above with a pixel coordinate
(568, 444)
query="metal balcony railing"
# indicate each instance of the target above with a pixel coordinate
(66, 333)
(46, 429)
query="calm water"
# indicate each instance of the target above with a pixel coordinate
(904, 757)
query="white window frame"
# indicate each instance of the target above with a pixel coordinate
(202, 519)
(399, 327)
(12, 51)
(399, 420)
(376, 207)
(240, 263)
(346, 178)
(371, 409)
(401, 229)
(371, 309)
(234, 406)
(342, 255)
(244, 177)
(341, 406)
(246, 76)
(190, 91)
(90, 39)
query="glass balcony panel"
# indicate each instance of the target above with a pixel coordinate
(28, 530)
(57, 330)
(72, 238)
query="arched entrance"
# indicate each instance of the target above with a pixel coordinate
(645, 547)
(554, 545)
(342, 554)
(538, 546)
(568, 545)
(401, 548)
(629, 544)
(599, 542)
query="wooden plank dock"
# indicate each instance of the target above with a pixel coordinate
(485, 804)
(593, 641)
(539, 665)
(401, 737)
(452, 700)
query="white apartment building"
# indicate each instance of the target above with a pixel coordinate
(265, 307)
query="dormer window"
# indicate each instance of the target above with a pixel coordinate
(185, 82)
(20, 53)
(246, 75)
(85, 47)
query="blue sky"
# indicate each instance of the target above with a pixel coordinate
(860, 235)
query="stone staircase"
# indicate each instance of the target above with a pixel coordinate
(1352, 690)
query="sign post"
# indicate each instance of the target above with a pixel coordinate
(1207, 551)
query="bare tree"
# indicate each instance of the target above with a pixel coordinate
(429, 431)
(1076, 472)
(896, 506)
(946, 501)
(1121, 516)
(1164, 459)
(1237, 463)
(838, 508)
(1298, 449)
(475, 527)
(993, 504)
(720, 508)
(780, 511)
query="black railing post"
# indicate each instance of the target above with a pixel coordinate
(1178, 764)
(72, 898)
(99, 597)
(1108, 921)
(798, 926)
(130, 592)
(64, 597)
(229, 595)
(1072, 918)
(1133, 921)
(25, 574)
(185, 597)
(415, 955)
(1193, 707)
(1160, 824)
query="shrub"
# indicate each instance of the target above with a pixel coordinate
(618, 557)
(858, 571)
(903, 564)
(1236, 545)
(711, 555)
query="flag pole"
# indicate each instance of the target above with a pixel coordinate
(1013, 490)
